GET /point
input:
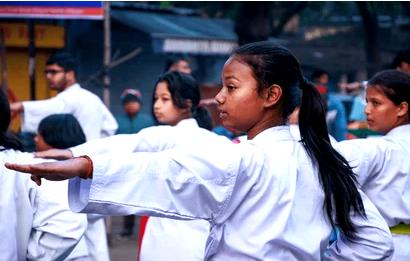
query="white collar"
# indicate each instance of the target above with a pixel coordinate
(399, 131)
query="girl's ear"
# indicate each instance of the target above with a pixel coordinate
(273, 95)
(403, 109)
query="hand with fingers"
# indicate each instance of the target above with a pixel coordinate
(56, 171)
(57, 154)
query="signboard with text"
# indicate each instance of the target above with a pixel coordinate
(52, 9)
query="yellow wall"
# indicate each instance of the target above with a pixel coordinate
(18, 79)
(48, 38)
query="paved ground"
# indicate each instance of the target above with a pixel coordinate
(122, 249)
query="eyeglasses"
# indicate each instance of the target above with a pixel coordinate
(53, 72)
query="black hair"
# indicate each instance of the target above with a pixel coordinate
(130, 98)
(394, 84)
(7, 139)
(173, 60)
(64, 60)
(183, 87)
(401, 56)
(61, 131)
(274, 64)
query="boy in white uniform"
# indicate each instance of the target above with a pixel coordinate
(94, 117)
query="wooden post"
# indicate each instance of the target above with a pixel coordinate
(32, 59)
(3, 60)
(107, 53)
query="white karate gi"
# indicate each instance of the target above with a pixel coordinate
(262, 198)
(35, 224)
(97, 122)
(95, 119)
(176, 239)
(383, 168)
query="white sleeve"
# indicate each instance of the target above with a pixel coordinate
(170, 183)
(122, 143)
(109, 125)
(382, 170)
(56, 229)
(35, 111)
(373, 239)
(147, 140)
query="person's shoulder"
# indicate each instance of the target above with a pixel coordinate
(120, 117)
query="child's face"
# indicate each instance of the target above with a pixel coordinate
(41, 144)
(239, 104)
(164, 109)
(382, 114)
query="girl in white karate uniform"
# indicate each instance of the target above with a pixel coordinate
(382, 163)
(36, 224)
(175, 102)
(271, 198)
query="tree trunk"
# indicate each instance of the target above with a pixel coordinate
(253, 22)
(371, 33)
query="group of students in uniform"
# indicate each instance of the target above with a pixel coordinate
(273, 197)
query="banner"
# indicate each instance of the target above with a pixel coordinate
(52, 10)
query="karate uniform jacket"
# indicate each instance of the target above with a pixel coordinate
(35, 224)
(95, 119)
(176, 239)
(262, 198)
(383, 168)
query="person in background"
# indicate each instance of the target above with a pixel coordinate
(61, 75)
(36, 224)
(357, 117)
(401, 61)
(336, 113)
(265, 198)
(131, 121)
(388, 182)
(179, 64)
(94, 117)
(62, 131)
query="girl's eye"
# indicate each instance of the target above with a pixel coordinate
(230, 87)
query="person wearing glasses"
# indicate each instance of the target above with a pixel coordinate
(94, 117)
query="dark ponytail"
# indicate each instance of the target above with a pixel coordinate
(202, 116)
(7, 140)
(274, 64)
(336, 176)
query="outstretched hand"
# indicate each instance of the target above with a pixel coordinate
(57, 154)
(56, 171)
